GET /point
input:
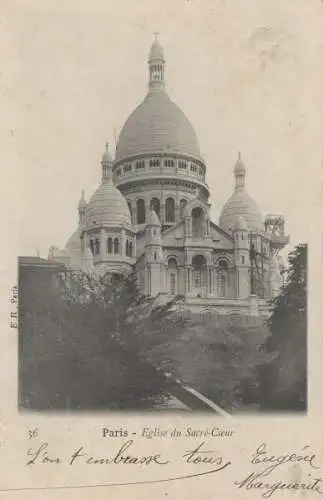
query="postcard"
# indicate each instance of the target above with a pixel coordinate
(161, 251)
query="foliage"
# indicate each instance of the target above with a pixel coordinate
(92, 342)
(81, 345)
(284, 382)
(220, 360)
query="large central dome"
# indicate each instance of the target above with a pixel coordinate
(157, 125)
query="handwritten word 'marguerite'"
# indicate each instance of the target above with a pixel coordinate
(269, 486)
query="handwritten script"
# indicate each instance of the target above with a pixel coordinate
(266, 481)
(266, 472)
(125, 455)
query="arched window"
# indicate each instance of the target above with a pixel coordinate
(170, 210)
(155, 205)
(154, 162)
(130, 248)
(182, 164)
(97, 246)
(172, 276)
(220, 280)
(127, 248)
(141, 212)
(116, 246)
(182, 206)
(110, 245)
(199, 278)
(127, 168)
(172, 283)
(140, 164)
(198, 223)
(92, 246)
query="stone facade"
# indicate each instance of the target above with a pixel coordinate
(151, 213)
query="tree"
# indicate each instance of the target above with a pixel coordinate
(219, 360)
(284, 382)
(83, 348)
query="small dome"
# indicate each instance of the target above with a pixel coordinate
(156, 51)
(157, 126)
(73, 243)
(107, 207)
(241, 224)
(153, 219)
(240, 204)
(74, 249)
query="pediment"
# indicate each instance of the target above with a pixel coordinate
(220, 238)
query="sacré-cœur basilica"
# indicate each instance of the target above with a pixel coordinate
(151, 213)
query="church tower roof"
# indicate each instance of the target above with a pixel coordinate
(107, 206)
(156, 52)
(240, 204)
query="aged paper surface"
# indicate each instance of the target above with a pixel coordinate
(249, 76)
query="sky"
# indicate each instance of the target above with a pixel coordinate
(246, 74)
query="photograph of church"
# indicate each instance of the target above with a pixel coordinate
(152, 304)
(151, 213)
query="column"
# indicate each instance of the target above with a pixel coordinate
(188, 227)
(123, 242)
(162, 213)
(134, 214)
(177, 212)
(210, 279)
(188, 274)
(103, 244)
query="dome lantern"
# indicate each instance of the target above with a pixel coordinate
(106, 163)
(240, 173)
(156, 63)
(82, 208)
(82, 202)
